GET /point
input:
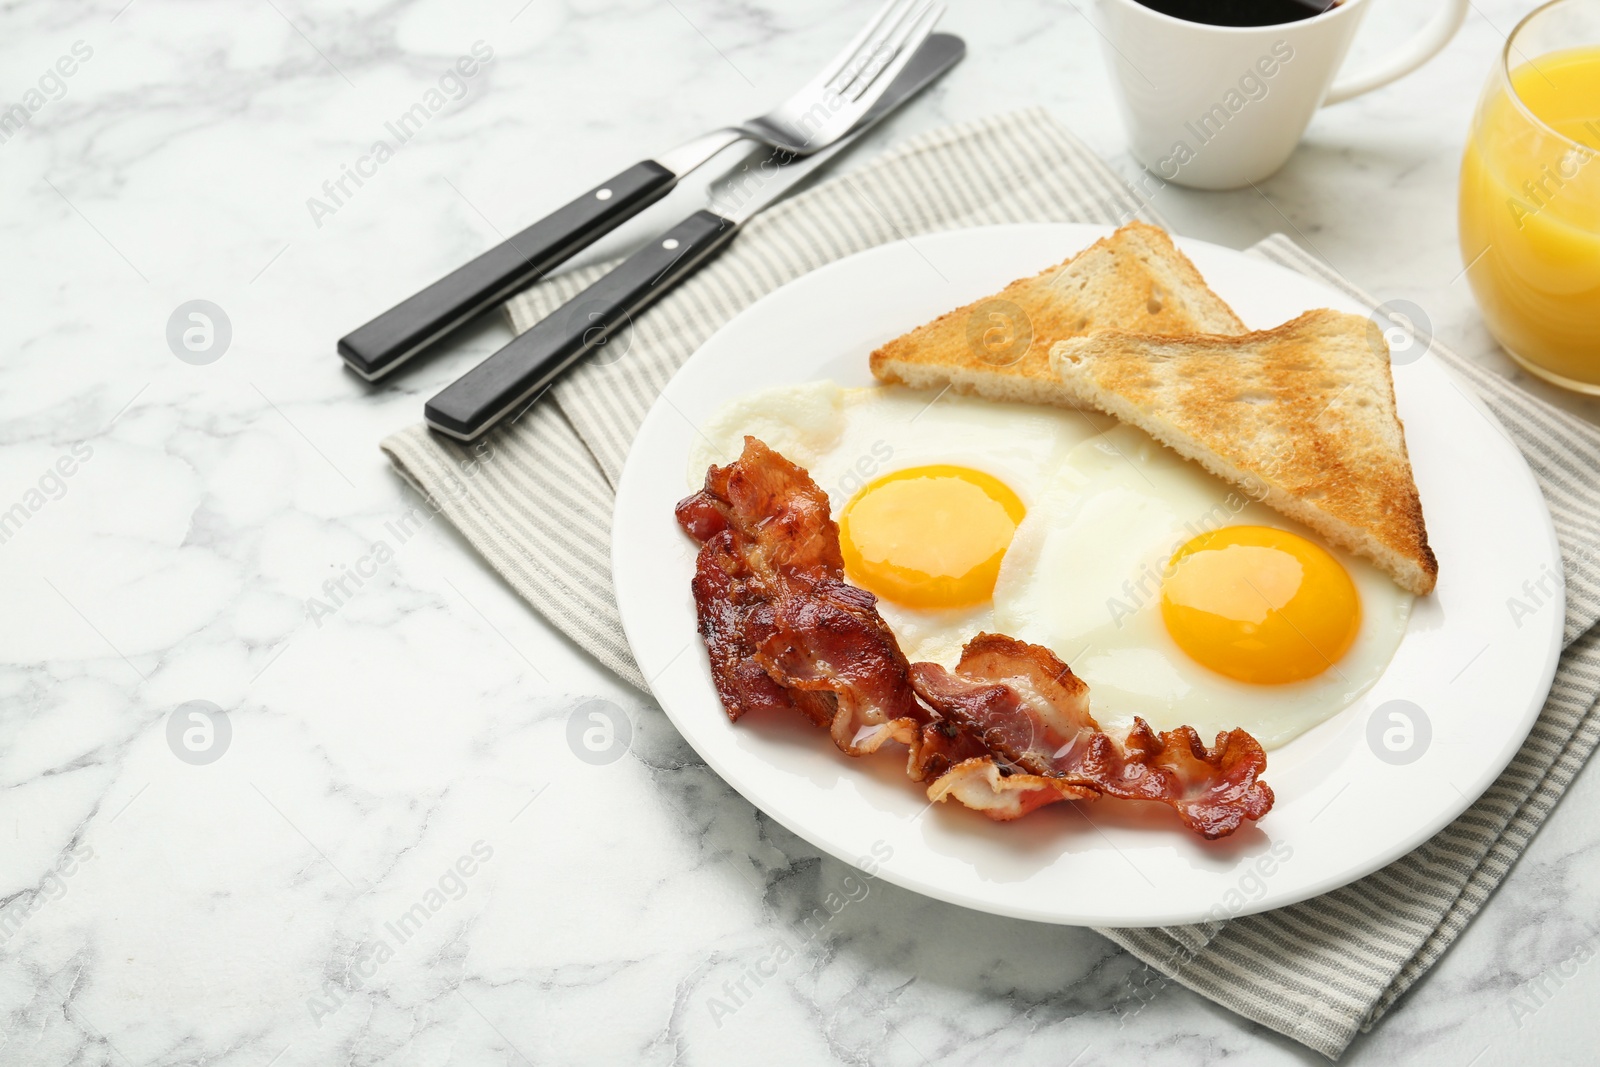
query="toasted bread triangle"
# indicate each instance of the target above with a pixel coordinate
(999, 347)
(1302, 417)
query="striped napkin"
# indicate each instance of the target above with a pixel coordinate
(536, 497)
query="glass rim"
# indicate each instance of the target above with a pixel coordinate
(1511, 87)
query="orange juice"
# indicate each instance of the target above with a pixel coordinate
(1530, 214)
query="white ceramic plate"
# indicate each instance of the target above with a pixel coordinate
(1477, 674)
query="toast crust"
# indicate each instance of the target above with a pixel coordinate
(999, 347)
(1302, 417)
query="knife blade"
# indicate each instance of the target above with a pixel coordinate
(526, 366)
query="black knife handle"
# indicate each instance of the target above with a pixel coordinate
(405, 329)
(478, 399)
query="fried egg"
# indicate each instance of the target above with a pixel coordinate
(1173, 595)
(928, 490)
(1179, 599)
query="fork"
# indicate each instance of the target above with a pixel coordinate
(822, 111)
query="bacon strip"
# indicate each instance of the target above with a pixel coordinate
(1032, 712)
(771, 600)
(725, 600)
(1009, 729)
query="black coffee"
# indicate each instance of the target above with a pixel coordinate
(1240, 12)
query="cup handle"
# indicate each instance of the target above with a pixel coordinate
(1421, 48)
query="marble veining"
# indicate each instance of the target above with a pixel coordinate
(400, 855)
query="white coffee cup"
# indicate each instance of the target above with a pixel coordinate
(1220, 107)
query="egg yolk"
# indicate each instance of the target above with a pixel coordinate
(1260, 605)
(929, 537)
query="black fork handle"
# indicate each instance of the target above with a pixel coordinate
(393, 337)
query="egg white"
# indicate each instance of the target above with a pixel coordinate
(1082, 577)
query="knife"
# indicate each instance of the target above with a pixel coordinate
(531, 362)
(824, 109)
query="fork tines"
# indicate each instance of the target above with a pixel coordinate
(874, 46)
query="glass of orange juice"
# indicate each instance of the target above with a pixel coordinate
(1530, 195)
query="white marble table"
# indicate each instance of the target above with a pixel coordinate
(410, 747)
